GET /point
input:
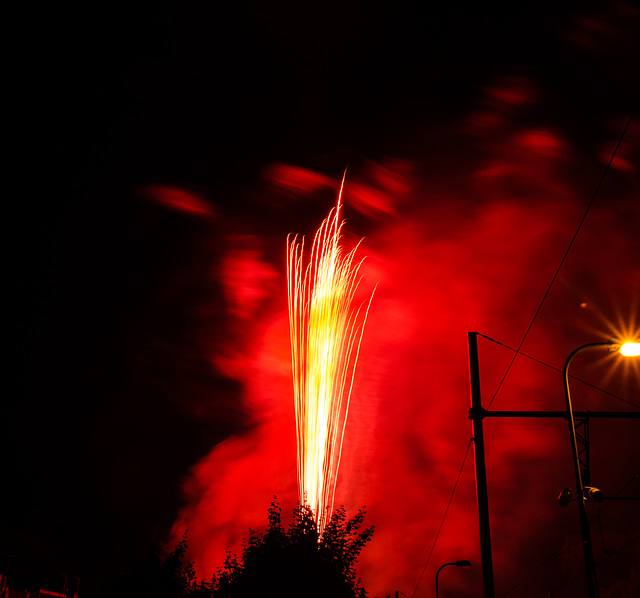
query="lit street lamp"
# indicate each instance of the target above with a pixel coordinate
(627, 349)
(457, 564)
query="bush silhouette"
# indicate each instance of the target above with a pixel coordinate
(297, 562)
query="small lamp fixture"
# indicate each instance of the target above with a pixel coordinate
(566, 496)
(457, 564)
(594, 494)
(629, 349)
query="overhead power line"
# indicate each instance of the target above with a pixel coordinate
(443, 518)
(564, 257)
(559, 370)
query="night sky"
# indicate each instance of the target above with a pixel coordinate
(166, 152)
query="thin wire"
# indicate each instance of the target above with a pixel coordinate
(564, 257)
(571, 541)
(606, 558)
(606, 505)
(552, 556)
(603, 507)
(443, 518)
(493, 340)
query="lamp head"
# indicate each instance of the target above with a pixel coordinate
(628, 349)
(565, 497)
(595, 494)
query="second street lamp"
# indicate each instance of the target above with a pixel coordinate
(457, 564)
(627, 349)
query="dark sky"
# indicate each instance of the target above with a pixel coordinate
(150, 193)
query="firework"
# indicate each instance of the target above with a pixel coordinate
(326, 331)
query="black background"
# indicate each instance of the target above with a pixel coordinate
(203, 95)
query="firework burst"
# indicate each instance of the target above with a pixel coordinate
(326, 331)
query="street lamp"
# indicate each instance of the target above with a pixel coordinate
(457, 564)
(627, 349)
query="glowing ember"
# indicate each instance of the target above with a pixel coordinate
(326, 332)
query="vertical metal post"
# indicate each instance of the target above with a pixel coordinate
(589, 562)
(582, 439)
(476, 414)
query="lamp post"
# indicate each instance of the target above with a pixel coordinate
(627, 349)
(477, 413)
(457, 564)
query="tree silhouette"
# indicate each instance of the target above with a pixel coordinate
(296, 562)
(278, 562)
(155, 577)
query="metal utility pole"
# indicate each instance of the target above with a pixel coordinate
(476, 415)
(575, 420)
(587, 547)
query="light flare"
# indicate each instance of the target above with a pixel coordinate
(630, 349)
(326, 332)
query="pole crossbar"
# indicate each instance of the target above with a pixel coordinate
(580, 448)
(475, 413)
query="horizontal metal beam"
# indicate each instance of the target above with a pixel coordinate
(475, 413)
(621, 498)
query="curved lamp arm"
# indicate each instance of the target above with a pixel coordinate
(572, 426)
(457, 564)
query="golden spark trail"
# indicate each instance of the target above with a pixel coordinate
(326, 332)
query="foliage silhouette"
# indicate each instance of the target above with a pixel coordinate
(156, 577)
(277, 563)
(297, 562)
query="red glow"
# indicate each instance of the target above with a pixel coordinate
(177, 199)
(247, 279)
(293, 178)
(443, 269)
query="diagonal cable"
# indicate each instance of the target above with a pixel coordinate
(493, 340)
(443, 518)
(564, 257)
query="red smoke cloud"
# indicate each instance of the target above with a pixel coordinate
(177, 199)
(473, 248)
